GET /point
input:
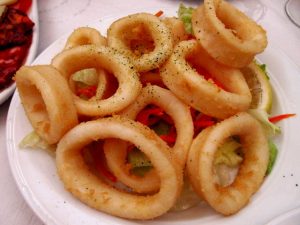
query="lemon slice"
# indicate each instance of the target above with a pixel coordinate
(260, 87)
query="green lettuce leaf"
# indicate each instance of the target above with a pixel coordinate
(87, 77)
(185, 15)
(161, 128)
(187, 199)
(273, 151)
(227, 154)
(33, 140)
(263, 117)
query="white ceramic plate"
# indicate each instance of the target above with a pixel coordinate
(36, 177)
(33, 14)
(290, 218)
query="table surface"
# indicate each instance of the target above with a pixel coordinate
(59, 16)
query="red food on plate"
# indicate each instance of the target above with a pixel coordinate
(15, 39)
(23, 5)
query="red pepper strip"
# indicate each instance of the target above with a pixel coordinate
(201, 121)
(167, 119)
(144, 116)
(193, 113)
(88, 91)
(170, 138)
(278, 118)
(130, 148)
(191, 37)
(203, 117)
(204, 124)
(100, 163)
(153, 115)
(159, 13)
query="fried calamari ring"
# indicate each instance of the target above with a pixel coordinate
(199, 93)
(90, 56)
(47, 101)
(161, 35)
(116, 151)
(85, 36)
(227, 34)
(177, 29)
(91, 190)
(200, 164)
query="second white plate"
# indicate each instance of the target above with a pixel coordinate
(33, 15)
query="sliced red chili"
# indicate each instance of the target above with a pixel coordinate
(146, 115)
(201, 121)
(204, 124)
(87, 92)
(278, 118)
(154, 115)
(159, 13)
(170, 138)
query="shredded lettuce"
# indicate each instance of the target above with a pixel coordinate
(263, 68)
(187, 199)
(87, 77)
(140, 171)
(273, 151)
(161, 128)
(262, 116)
(33, 140)
(227, 154)
(138, 159)
(139, 162)
(185, 15)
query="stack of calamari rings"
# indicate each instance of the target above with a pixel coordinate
(146, 63)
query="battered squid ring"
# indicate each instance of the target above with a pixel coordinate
(227, 34)
(160, 33)
(91, 190)
(177, 29)
(199, 93)
(90, 56)
(85, 36)
(200, 164)
(116, 151)
(47, 101)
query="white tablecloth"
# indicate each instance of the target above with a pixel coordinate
(59, 16)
